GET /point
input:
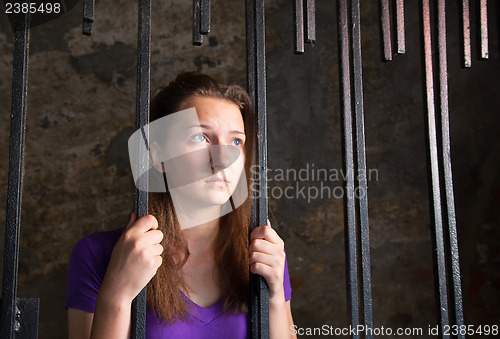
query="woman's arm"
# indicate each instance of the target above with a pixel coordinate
(280, 320)
(111, 319)
(134, 261)
(79, 324)
(267, 258)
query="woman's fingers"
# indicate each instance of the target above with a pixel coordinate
(267, 254)
(273, 260)
(267, 257)
(157, 249)
(136, 256)
(267, 233)
(143, 224)
(264, 246)
(153, 236)
(268, 272)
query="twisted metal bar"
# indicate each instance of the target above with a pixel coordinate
(483, 8)
(15, 177)
(197, 36)
(88, 16)
(205, 17)
(311, 21)
(446, 159)
(299, 26)
(385, 23)
(350, 230)
(361, 167)
(138, 329)
(256, 80)
(466, 33)
(433, 153)
(400, 25)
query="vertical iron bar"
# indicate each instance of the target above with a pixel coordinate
(466, 33)
(250, 40)
(88, 16)
(299, 26)
(250, 45)
(251, 83)
(446, 158)
(138, 329)
(261, 127)
(349, 200)
(256, 78)
(197, 37)
(205, 17)
(484, 28)
(400, 23)
(361, 166)
(15, 177)
(385, 23)
(27, 311)
(311, 21)
(436, 195)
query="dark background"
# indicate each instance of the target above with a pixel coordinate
(81, 111)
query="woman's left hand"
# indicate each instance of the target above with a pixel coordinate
(267, 258)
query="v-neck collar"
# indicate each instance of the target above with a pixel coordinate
(205, 315)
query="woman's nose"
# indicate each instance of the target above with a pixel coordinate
(222, 156)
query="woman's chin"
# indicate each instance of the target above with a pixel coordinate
(217, 199)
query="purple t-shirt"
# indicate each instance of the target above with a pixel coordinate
(87, 267)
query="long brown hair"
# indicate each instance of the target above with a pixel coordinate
(231, 246)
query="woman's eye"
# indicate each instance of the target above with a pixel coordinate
(237, 142)
(199, 138)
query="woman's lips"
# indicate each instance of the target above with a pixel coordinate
(217, 182)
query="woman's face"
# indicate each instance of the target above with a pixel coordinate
(205, 151)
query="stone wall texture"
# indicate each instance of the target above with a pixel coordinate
(81, 111)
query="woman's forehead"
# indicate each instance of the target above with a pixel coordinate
(215, 111)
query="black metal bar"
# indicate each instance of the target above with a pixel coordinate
(385, 23)
(250, 40)
(138, 329)
(433, 153)
(256, 79)
(261, 127)
(15, 176)
(299, 26)
(197, 37)
(311, 21)
(400, 23)
(251, 84)
(466, 33)
(205, 17)
(446, 158)
(348, 157)
(27, 318)
(88, 16)
(484, 28)
(361, 167)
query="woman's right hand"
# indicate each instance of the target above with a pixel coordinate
(135, 259)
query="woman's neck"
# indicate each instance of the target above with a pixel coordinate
(201, 239)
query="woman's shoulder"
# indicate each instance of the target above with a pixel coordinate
(87, 266)
(97, 244)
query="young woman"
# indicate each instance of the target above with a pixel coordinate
(194, 260)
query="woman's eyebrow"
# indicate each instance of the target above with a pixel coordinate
(210, 128)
